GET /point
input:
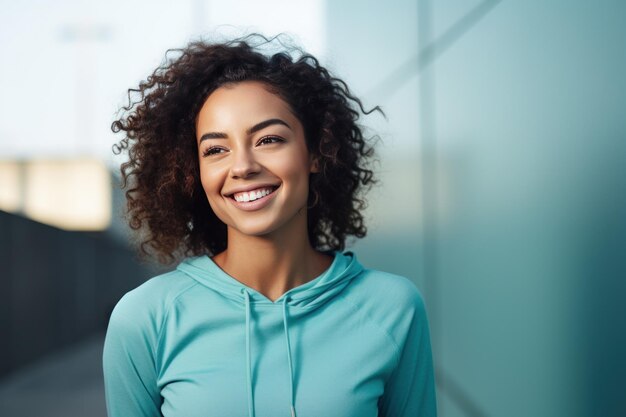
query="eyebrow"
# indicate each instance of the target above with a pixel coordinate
(259, 126)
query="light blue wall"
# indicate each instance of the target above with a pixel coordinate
(519, 252)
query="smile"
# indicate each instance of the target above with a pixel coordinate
(254, 199)
(253, 194)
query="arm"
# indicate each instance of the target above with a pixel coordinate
(410, 390)
(129, 363)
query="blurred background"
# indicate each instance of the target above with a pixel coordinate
(502, 194)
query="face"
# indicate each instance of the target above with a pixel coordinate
(254, 162)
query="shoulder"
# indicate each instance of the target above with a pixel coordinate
(147, 305)
(388, 289)
(393, 302)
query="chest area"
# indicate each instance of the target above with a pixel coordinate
(218, 366)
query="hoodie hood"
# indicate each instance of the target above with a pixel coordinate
(296, 301)
(344, 267)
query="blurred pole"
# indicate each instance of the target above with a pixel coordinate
(428, 158)
(84, 35)
(198, 15)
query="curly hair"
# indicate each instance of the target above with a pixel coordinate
(165, 198)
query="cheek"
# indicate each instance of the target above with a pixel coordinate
(205, 181)
(211, 185)
(297, 166)
(210, 177)
(298, 176)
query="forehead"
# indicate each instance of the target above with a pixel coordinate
(242, 105)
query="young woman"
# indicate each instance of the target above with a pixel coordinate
(250, 166)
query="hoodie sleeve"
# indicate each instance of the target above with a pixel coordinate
(129, 361)
(410, 390)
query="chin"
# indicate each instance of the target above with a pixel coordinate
(264, 225)
(258, 230)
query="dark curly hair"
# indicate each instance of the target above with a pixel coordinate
(166, 201)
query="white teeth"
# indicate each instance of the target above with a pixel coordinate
(252, 195)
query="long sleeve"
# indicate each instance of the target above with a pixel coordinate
(410, 390)
(129, 363)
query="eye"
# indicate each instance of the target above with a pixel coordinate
(213, 150)
(266, 140)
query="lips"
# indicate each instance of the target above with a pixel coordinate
(260, 198)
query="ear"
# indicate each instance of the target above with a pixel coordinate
(315, 164)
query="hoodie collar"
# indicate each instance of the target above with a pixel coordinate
(344, 267)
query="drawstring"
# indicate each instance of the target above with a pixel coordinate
(293, 408)
(248, 361)
(249, 366)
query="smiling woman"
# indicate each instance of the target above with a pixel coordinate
(249, 169)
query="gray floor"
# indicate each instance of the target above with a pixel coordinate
(67, 384)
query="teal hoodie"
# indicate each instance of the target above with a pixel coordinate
(196, 342)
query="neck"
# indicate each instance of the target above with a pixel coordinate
(272, 264)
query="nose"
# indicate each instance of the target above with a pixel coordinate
(244, 164)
